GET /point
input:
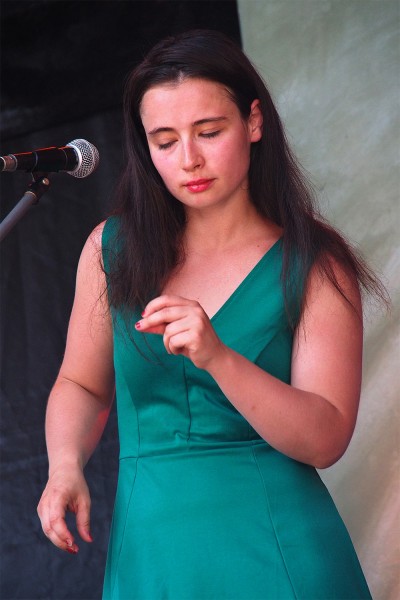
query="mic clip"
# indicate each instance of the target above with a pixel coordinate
(39, 185)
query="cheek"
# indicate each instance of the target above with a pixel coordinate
(161, 164)
(234, 154)
(165, 168)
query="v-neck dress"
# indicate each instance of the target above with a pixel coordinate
(205, 509)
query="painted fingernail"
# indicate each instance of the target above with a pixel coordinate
(143, 313)
(138, 325)
(72, 551)
(68, 542)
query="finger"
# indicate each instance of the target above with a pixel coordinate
(52, 516)
(156, 322)
(56, 530)
(164, 301)
(83, 520)
(156, 329)
(176, 336)
(176, 343)
(62, 537)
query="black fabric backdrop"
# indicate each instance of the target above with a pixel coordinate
(63, 67)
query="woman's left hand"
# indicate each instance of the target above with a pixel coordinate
(185, 327)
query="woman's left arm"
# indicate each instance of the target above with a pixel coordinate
(311, 420)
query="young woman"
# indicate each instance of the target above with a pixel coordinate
(228, 316)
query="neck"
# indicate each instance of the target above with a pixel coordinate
(216, 229)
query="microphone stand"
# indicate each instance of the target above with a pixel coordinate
(35, 191)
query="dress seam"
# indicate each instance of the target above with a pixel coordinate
(130, 495)
(272, 522)
(123, 533)
(187, 401)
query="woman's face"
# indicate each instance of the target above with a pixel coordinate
(199, 142)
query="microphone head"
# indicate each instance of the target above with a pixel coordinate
(88, 156)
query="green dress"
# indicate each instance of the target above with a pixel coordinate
(205, 509)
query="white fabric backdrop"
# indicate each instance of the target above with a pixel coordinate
(333, 69)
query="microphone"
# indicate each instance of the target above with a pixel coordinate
(79, 158)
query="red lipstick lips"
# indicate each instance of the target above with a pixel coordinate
(199, 185)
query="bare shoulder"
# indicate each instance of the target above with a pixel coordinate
(90, 262)
(334, 289)
(97, 233)
(94, 241)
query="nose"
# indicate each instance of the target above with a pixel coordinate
(192, 158)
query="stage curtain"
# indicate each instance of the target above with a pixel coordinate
(333, 69)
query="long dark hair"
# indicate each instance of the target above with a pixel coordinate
(151, 220)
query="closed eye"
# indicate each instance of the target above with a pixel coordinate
(208, 135)
(211, 134)
(166, 145)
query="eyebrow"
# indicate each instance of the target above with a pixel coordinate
(195, 124)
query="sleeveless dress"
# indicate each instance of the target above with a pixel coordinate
(205, 509)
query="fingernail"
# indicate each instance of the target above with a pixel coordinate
(143, 313)
(138, 325)
(72, 551)
(69, 542)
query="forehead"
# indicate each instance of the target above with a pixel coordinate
(190, 100)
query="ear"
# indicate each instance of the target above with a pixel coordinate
(255, 121)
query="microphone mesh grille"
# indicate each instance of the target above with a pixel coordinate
(88, 158)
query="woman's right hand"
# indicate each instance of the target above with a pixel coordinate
(79, 403)
(66, 490)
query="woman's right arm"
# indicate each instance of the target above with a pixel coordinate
(80, 401)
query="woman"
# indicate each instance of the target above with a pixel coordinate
(228, 316)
